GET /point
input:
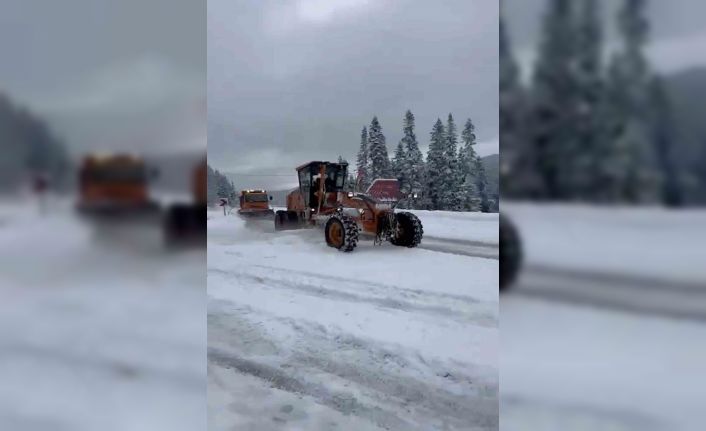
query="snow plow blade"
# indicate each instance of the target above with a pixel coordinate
(287, 220)
(256, 214)
(185, 225)
(116, 213)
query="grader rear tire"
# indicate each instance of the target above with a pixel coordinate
(341, 233)
(510, 253)
(279, 220)
(409, 230)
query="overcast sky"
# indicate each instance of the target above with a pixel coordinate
(109, 74)
(677, 38)
(292, 81)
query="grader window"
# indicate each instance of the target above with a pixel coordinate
(335, 177)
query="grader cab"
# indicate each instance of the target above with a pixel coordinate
(322, 199)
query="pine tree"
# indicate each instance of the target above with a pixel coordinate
(398, 164)
(590, 115)
(482, 185)
(231, 192)
(633, 163)
(517, 168)
(554, 95)
(473, 172)
(378, 159)
(362, 162)
(436, 167)
(450, 196)
(224, 187)
(413, 168)
(663, 132)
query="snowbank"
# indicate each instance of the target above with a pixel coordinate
(648, 242)
(97, 332)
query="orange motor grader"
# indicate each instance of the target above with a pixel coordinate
(321, 199)
(185, 223)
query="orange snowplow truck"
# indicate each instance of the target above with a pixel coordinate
(114, 185)
(255, 203)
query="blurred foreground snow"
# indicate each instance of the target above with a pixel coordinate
(605, 328)
(99, 328)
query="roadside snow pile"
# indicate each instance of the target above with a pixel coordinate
(647, 242)
(302, 336)
(96, 333)
(464, 226)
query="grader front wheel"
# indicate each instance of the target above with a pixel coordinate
(409, 230)
(341, 233)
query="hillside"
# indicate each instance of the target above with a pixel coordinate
(27, 145)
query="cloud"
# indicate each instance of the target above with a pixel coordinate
(141, 84)
(306, 76)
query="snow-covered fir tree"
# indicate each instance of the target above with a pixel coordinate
(554, 95)
(413, 168)
(451, 192)
(362, 162)
(436, 167)
(517, 167)
(591, 119)
(634, 170)
(482, 185)
(397, 166)
(468, 173)
(663, 131)
(379, 162)
(223, 187)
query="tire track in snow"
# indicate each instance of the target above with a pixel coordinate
(460, 247)
(474, 312)
(381, 287)
(431, 392)
(621, 293)
(339, 401)
(480, 317)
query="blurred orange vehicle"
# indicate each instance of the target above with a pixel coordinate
(115, 185)
(185, 223)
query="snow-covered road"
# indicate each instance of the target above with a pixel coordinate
(604, 329)
(303, 337)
